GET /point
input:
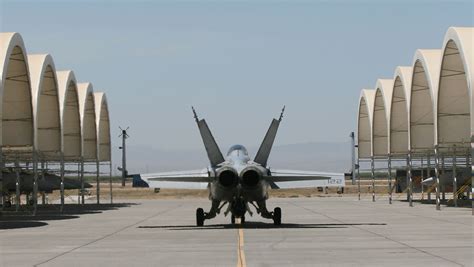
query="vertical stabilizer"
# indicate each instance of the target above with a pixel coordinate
(213, 152)
(267, 144)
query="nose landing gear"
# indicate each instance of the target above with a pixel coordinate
(242, 219)
(238, 208)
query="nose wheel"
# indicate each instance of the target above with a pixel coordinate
(242, 219)
(277, 216)
(199, 217)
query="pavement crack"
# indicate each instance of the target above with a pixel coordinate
(107, 236)
(273, 245)
(411, 214)
(379, 235)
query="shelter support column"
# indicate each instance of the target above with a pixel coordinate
(17, 184)
(472, 172)
(389, 167)
(110, 182)
(43, 197)
(97, 180)
(35, 182)
(79, 178)
(61, 208)
(410, 179)
(443, 170)
(468, 166)
(82, 179)
(436, 166)
(372, 167)
(358, 177)
(2, 200)
(422, 177)
(428, 171)
(455, 182)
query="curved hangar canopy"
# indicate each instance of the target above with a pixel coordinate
(399, 116)
(103, 126)
(381, 118)
(70, 116)
(44, 87)
(364, 123)
(455, 106)
(426, 65)
(88, 121)
(15, 93)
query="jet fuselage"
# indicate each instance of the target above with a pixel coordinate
(238, 179)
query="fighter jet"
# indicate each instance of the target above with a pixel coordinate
(47, 183)
(236, 181)
(463, 175)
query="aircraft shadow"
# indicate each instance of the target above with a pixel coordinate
(9, 219)
(255, 225)
(462, 203)
(5, 225)
(69, 209)
(94, 208)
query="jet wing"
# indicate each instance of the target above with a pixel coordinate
(193, 179)
(302, 179)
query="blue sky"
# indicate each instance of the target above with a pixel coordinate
(238, 63)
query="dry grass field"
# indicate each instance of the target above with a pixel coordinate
(129, 192)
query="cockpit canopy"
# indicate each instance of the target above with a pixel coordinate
(240, 148)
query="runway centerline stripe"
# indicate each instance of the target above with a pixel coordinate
(240, 248)
(107, 236)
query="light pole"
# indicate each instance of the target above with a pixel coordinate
(124, 136)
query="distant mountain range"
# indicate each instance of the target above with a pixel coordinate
(305, 156)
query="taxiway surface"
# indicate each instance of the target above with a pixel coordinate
(330, 231)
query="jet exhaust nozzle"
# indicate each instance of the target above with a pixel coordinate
(251, 176)
(227, 177)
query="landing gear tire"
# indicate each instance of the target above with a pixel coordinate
(8, 204)
(232, 219)
(199, 217)
(277, 216)
(242, 219)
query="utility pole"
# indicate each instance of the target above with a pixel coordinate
(354, 165)
(124, 136)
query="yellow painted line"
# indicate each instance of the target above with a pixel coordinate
(240, 248)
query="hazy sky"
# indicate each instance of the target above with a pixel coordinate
(238, 63)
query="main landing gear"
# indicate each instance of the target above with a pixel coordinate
(200, 217)
(277, 216)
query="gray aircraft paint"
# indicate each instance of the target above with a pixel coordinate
(238, 180)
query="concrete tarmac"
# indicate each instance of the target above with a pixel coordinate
(329, 231)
